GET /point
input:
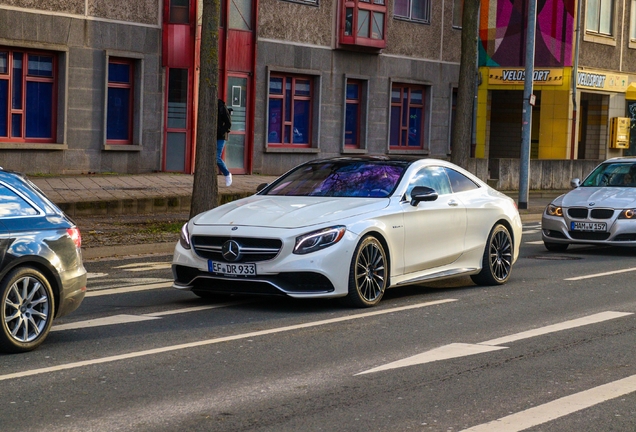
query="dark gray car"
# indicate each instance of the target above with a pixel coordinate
(41, 272)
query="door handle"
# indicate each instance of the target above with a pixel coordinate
(453, 203)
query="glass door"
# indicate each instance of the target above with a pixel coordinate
(177, 151)
(235, 149)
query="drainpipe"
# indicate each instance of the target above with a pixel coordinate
(575, 75)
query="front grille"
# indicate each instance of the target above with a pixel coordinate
(252, 249)
(577, 213)
(602, 213)
(582, 235)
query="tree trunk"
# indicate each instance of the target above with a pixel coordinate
(462, 129)
(205, 189)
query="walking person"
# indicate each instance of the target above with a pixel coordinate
(223, 126)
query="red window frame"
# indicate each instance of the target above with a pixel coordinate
(8, 76)
(372, 7)
(356, 101)
(167, 15)
(131, 98)
(408, 88)
(294, 97)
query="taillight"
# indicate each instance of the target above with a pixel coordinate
(75, 235)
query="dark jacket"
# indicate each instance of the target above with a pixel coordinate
(223, 122)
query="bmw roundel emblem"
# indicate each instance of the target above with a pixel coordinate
(231, 250)
(234, 228)
(592, 204)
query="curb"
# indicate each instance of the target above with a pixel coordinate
(126, 250)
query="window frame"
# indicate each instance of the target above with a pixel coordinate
(410, 18)
(425, 112)
(632, 23)
(597, 31)
(8, 76)
(167, 14)
(458, 26)
(294, 97)
(358, 102)
(372, 6)
(131, 98)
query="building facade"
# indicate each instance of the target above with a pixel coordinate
(80, 86)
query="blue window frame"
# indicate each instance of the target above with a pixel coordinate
(119, 115)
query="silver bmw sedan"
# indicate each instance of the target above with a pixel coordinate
(600, 210)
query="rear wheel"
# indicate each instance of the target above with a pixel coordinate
(497, 259)
(368, 273)
(27, 310)
(555, 247)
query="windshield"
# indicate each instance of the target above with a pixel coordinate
(620, 174)
(340, 179)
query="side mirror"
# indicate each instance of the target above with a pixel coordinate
(575, 183)
(261, 186)
(422, 193)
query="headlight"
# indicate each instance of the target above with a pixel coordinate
(553, 210)
(628, 214)
(317, 240)
(184, 237)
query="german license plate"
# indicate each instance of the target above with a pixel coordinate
(588, 226)
(229, 269)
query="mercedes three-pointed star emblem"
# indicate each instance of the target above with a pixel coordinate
(231, 251)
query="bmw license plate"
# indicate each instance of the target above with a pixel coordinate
(588, 226)
(229, 269)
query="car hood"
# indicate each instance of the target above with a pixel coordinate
(289, 212)
(608, 197)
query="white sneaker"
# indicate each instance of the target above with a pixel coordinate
(228, 180)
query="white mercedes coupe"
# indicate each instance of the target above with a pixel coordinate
(601, 210)
(351, 228)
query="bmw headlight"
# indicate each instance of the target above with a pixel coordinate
(628, 214)
(553, 210)
(314, 241)
(184, 237)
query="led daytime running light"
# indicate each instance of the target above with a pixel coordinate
(319, 239)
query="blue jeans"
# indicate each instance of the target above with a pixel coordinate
(219, 161)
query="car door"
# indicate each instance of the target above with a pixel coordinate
(433, 230)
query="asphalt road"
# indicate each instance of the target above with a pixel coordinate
(552, 350)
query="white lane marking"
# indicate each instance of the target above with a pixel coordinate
(442, 353)
(98, 322)
(146, 266)
(601, 274)
(539, 242)
(558, 408)
(566, 325)
(459, 349)
(197, 308)
(133, 288)
(126, 319)
(95, 275)
(215, 341)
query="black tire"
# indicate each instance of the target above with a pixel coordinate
(368, 273)
(556, 247)
(496, 264)
(27, 310)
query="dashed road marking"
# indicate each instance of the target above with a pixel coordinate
(601, 274)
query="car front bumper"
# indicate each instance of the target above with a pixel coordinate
(620, 232)
(324, 273)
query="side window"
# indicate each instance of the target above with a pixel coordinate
(433, 177)
(12, 205)
(459, 182)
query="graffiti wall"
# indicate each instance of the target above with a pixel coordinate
(502, 33)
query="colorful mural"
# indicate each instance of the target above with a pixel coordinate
(502, 33)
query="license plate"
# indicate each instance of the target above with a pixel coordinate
(229, 269)
(588, 226)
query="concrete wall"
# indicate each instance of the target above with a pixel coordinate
(82, 47)
(545, 174)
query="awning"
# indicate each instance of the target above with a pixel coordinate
(631, 92)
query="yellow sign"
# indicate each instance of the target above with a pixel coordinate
(598, 80)
(619, 132)
(541, 76)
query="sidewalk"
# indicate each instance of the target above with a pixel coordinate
(127, 198)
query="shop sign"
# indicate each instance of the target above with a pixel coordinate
(517, 76)
(597, 80)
